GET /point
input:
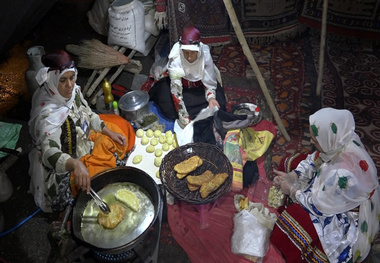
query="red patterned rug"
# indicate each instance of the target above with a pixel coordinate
(283, 66)
(237, 95)
(261, 21)
(351, 80)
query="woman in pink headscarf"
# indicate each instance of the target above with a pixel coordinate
(335, 190)
(192, 84)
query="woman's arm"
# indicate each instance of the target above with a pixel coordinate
(81, 175)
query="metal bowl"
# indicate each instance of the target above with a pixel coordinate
(247, 109)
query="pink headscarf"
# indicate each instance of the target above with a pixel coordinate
(190, 39)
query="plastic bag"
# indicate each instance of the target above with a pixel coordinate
(252, 229)
(98, 16)
(127, 24)
(249, 238)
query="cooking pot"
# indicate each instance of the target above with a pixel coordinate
(134, 105)
(117, 240)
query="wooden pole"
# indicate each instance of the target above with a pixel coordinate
(322, 48)
(256, 70)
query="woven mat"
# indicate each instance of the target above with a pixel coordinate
(345, 17)
(210, 17)
(261, 21)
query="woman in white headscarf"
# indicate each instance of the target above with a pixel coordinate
(66, 133)
(192, 83)
(337, 188)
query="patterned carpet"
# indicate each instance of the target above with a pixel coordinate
(283, 66)
(351, 80)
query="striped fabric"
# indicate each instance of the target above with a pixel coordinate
(300, 238)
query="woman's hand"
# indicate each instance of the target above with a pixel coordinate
(81, 174)
(285, 181)
(116, 137)
(213, 103)
(119, 138)
(279, 178)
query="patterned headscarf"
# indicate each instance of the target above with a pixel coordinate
(348, 175)
(49, 108)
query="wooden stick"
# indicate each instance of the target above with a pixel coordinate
(322, 48)
(102, 75)
(252, 62)
(99, 79)
(99, 91)
(121, 67)
(89, 81)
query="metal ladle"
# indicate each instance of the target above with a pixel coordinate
(99, 201)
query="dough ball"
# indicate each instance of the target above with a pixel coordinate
(168, 134)
(149, 133)
(150, 148)
(158, 152)
(162, 139)
(157, 161)
(165, 147)
(144, 140)
(157, 133)
(137, 159)
(140, 133)
(154, 141)
(169, 140)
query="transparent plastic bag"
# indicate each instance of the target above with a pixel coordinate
(253, 225)
(249, 238)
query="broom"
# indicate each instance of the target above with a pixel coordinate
(93, 54)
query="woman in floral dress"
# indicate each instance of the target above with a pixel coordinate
(335, 212)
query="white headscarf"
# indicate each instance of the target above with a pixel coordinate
(49, 108)
(193, 71)
(347, 175)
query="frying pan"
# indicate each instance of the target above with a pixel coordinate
(117, 240)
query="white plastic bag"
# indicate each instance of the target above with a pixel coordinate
(249, 238)
(127, 24)
(98, 16)
(252, 229)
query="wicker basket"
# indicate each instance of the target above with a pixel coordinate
(213, 159)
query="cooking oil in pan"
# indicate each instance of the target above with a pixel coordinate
(130, 228)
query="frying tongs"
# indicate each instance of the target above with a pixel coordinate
(99, 201)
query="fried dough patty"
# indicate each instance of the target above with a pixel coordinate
(113, 218)
(188, 165)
